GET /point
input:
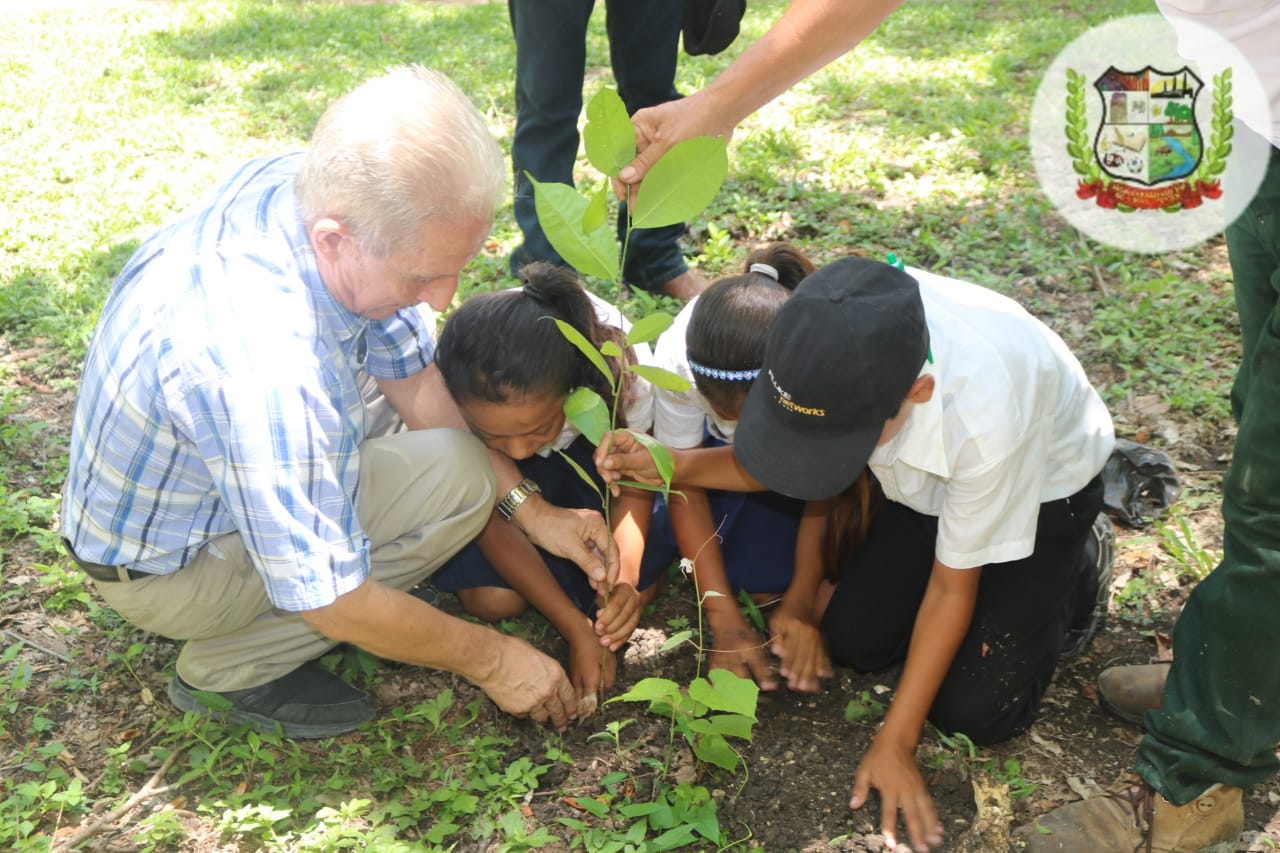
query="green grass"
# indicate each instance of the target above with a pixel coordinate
(114, 116)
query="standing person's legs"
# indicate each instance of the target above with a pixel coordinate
(1005, 662)
(551, 51)
(643, 45)
(1221, 715)
(423, 495)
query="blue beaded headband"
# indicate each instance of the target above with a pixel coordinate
(726, 375)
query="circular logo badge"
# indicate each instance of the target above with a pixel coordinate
(1141, 133)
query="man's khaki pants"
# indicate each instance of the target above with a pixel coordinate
(423, 495)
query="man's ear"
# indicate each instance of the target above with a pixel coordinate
(326, 238)
(921, 390)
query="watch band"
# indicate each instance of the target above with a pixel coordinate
(518, 495)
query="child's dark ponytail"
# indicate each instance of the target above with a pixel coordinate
(496, 347)
(726, 335)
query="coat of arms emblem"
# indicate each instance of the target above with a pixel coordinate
(1148, 150)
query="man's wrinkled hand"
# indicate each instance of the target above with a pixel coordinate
(528, 683)
(579, 535)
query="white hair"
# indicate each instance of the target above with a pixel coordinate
(400, 149)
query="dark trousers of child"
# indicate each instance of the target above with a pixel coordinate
(1007, 658)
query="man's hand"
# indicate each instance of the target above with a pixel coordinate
(615, 622)
(660, 127)
(892, 770)
(798, 644)
(737, 648)
(528, 683)
(579, 535)
(620, 457)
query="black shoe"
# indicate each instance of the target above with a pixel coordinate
(1095, 591)
(309, 702)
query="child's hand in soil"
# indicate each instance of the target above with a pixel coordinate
(737, 648)
(616, 622)
(585, 656)
(798, 644)
(892, 770)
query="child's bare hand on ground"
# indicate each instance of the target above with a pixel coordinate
(615, 623)
(892, 770)
(585, 655)
(620, 457)
(798, 644)
(738, 649)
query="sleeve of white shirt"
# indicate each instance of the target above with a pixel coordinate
(679, 418)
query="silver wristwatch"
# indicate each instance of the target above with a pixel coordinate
(508, 505)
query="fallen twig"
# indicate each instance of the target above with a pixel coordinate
(147, 791)
(50, 652)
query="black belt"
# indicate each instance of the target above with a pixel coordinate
(99, 572)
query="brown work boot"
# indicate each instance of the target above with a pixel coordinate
(1130, 692)
(1133, 817)
(684, 286)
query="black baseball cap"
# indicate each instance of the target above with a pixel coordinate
(710, 26)
(841, 356)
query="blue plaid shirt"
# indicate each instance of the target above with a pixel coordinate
(219, 394)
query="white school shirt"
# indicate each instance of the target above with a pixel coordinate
(1013, 423)
(681, 417)
(639, 410)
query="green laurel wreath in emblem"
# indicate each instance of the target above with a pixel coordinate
(1079, 145)
(1214, 161)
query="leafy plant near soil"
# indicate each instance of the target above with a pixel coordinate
(711, 709)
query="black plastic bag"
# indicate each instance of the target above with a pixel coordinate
(1138, 482)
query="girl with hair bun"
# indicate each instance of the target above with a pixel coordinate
(509, 369)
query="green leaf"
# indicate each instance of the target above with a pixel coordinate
(213, 701)
(597, 213)
(681, 183)
(586, 410)
(587, 348)
(649, 328)
(672, 839)
(608, 136)
(729, 725)
(662, 378)
(648, 689)
(585, 477)
(561, 212)
(714, 749)
(675, 639)
(610, 349)
(592, 806)
(726, 691)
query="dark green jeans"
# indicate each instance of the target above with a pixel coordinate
(1221, 716)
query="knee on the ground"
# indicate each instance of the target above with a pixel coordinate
(492, 603)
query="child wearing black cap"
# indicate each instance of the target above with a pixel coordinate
(988, 441)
